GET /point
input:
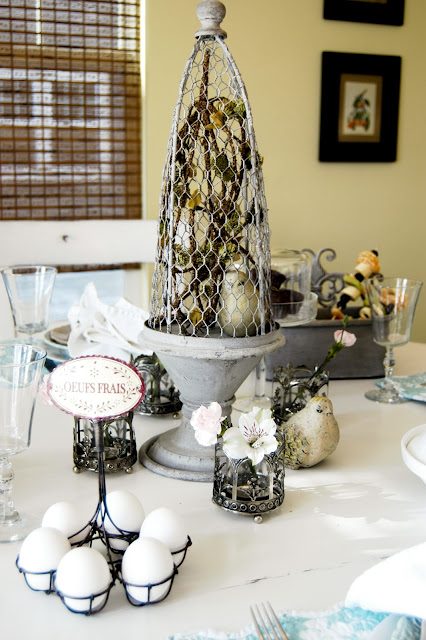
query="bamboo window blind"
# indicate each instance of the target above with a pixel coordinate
(70, 109)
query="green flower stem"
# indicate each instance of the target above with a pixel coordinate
(333, 351)
(225, 426)
(252, 467)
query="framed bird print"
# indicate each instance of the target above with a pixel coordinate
(359, 107)
(375, 11)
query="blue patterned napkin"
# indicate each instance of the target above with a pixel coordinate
(410, 387)
(339, 623)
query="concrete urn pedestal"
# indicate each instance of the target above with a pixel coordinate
(204, 370)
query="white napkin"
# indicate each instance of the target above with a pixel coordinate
(101, 329)
(394, 585)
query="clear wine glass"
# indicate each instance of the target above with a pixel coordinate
(21, 367)
(393, 303)
(29, 289)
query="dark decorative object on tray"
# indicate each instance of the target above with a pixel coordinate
(305, 343)
(374, 11)
(293, 301)
(285, 302)
(359, 107)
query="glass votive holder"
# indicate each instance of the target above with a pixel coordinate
(291, 297)
(249, 489)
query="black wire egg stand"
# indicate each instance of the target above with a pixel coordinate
(97, 531)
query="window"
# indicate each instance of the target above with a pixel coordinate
(70, 109)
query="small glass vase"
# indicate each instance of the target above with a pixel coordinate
(246, 488)
(293, 387)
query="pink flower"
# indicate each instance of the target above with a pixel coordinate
(346, 338)
(43, 391)
(207, 423)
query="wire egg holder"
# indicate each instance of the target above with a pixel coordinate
(97, 531)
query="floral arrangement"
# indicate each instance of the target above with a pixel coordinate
(296, 385)
(253, 438)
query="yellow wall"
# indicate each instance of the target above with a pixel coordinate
(277, 46)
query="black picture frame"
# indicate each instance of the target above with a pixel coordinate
(374, 11)
(359, 107)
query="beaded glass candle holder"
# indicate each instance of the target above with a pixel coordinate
(250, 489)
(120, 445)
(161, 396)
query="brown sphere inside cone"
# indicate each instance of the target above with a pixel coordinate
(285, 302)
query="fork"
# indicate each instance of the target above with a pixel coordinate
(269, 621)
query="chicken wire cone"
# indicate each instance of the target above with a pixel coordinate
(210, 317)
(212, 269)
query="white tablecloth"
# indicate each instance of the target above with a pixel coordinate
(339, 518)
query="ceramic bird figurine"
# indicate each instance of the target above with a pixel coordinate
(311, 434)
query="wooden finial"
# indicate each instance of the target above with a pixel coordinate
(210, 13)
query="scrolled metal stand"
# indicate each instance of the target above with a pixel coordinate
(334, 281)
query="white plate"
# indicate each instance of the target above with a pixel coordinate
(413, 450)
(55, 346)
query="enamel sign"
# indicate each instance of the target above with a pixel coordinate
(95, 387)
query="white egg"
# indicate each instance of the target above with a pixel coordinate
(83, 572)
(168, 526)
(147, 561)
(41, 553)
(67, 517)
(125, 512)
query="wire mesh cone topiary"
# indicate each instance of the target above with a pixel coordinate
(210, 319)
(212, 271)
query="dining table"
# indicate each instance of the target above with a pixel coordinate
(338, 518)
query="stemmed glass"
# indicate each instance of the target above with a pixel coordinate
(29, 289)
(392, 302)
(21, 367)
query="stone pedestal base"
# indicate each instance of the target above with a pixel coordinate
(204, 370)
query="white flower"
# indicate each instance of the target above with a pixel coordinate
(207, 423)
(253, 438)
